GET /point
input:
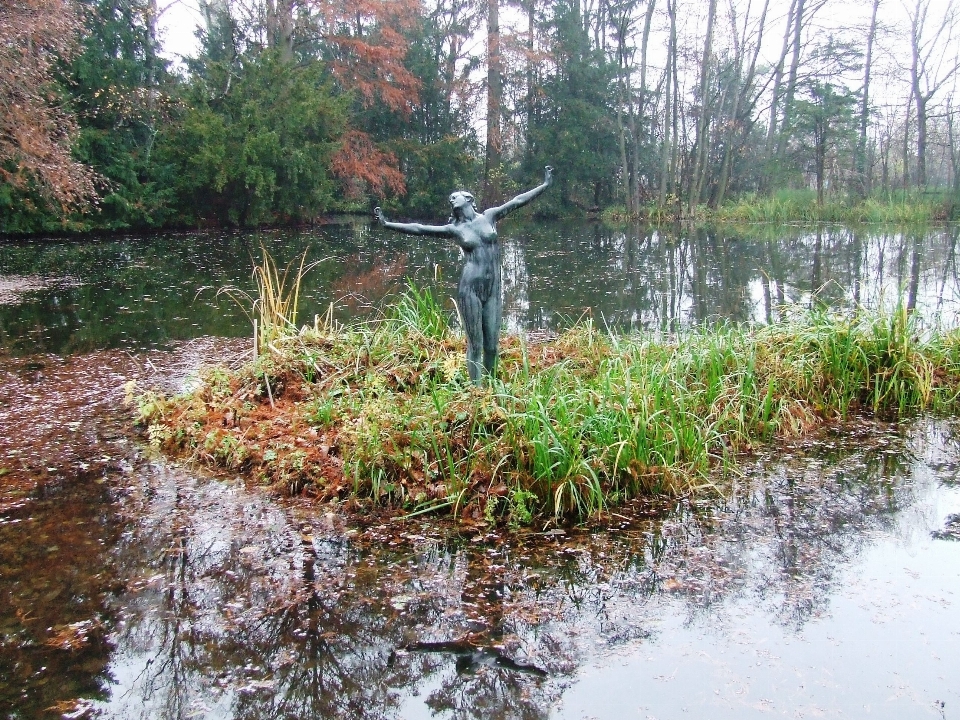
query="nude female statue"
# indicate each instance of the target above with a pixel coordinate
(479, 292)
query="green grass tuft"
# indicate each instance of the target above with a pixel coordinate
(384, 412)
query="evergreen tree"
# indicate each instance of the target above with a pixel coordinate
(255, 143)
(122, 94)
(575, 127)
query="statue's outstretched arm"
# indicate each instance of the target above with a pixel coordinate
(414, 228)
(523, 198)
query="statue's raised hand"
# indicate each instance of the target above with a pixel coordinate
(378, 214)
(548, 174)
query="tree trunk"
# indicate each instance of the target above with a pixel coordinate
(906, 149)
(954, 149)
(624, 165)
(668, 122)
(623, 87)
(491, 167)
(279, 27)
(699, 169)
(531, 28)
(742, 107)
(285, 40)
(641, 100)
(778, 80)
(791, 90)
(821, 160)
(676, 120)
(921, 141)
(862, 174)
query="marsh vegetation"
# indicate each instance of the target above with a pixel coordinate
(382, 413)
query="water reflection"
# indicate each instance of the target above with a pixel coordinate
(143, 292)
(52, 593)
(158, 593)
(243, 610)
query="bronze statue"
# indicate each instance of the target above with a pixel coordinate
(479, 292)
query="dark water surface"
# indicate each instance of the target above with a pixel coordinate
(827, 585)
(141, 292)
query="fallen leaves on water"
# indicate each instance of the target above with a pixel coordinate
(75, 635)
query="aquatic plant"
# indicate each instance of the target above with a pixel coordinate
(272, 308)
(383, 412)
(801, 206)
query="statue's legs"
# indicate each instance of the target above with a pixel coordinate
(471, 313)
(492, 315)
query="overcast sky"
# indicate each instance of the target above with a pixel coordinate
(179, 20)
(178, 23)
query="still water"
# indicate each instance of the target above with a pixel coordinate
(142, 292)
(826, 585)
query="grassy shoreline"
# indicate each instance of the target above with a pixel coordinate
(801, 206)
(382, 413)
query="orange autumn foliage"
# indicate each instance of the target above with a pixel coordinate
(360, 161)
(369, 48)
(36, 132)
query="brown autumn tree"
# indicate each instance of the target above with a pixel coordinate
(364, 45)
(36, 131)
(367, 46)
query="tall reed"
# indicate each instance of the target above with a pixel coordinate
(273, 306)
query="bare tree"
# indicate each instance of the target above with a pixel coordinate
(933, 63)
(863, 177)
(742, 89)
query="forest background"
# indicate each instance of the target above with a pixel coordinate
(292, 109)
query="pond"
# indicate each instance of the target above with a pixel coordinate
(826, 583)
(143, 292)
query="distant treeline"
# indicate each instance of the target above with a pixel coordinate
(292, 109)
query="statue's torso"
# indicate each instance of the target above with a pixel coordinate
(481, 270)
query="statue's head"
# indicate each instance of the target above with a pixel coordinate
(459, 200)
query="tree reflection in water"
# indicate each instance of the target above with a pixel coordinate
(246, 610)
(144, 292)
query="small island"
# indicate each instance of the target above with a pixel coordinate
(385, 415)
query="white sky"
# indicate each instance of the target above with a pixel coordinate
(179, 20)
(178, 23)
